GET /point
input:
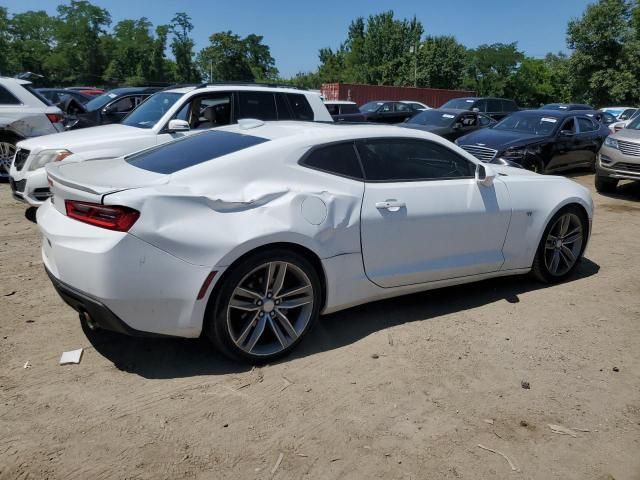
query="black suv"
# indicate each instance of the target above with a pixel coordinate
(496, 108)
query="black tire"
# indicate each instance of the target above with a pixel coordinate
(217, 326)
(7, 137)
(539, 269)
(605, 184)
(534, 164)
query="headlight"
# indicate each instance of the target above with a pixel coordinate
(48, 156)
(611, 142)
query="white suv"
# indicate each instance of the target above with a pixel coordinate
(24, 113)
(163, 117)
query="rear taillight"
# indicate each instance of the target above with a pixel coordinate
(55, 117)
(110, 217)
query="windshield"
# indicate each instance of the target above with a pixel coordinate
(554, 106)
(433, 117)
(528, 123)
(371, 106)
(151, 110)
(459, 103)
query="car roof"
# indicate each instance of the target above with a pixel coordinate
(339, 102)
(239, 86)
(125, 90)
(556, 113)
(19, 81)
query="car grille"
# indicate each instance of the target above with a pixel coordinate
(629, 167)
(21, 158)
(482, 153)
(629, 148)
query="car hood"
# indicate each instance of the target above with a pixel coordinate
(499, 139)
(86, 139)
(627, 134)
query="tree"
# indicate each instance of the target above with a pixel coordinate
(78, 56)
(262, 64)
(491, 66)
(131, 52)
(598, 66)
(182, 48)
(162, 69)
(226, 58)
(441, 62)
(6, 66)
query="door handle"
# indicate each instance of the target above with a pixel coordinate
(391, 205)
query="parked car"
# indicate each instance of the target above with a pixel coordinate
(619, 158)
(59, 96)
(569, 107)
(620, 124)
(24, 113)
(385, 111)
(165, 116)
(110, 107)
(618, 111)
(251, 262)
(540, 140)
(343, 111)
(496, 108)
(417, 106)
(93, 91)
(449, 124)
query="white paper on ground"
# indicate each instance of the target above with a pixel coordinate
(72, 356)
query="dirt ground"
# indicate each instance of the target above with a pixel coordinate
(400, 389)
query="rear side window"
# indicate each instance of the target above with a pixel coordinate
(339, 159)
(350, 108)
(193, 150)
(333, 109)
(259, 105)
(7, 98)
(284, 113)
(494, 106)
(509, 106)
(300, 107)
(586, 125)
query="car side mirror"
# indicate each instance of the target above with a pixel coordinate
(176, 125)
(109, 109)
(485, 175)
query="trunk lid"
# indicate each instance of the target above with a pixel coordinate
(90, 181)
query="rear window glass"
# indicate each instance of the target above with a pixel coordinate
(300, 106)
(339, 159)
(192, 150)
(259, 105)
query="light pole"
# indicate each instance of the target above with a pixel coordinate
(414, 49)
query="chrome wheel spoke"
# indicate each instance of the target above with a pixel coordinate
(243, 305)
(572, 237)
(248, 293)
(245, 333)
(277, 333)
(565, 221)
(296, 291)
(296, 302)
(278, 282)
(555, 262)
(269, 275)
(286, 325)
(255, 335)
(570, 258)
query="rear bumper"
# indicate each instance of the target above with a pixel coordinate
(99, 313)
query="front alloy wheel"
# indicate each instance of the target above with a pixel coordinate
(561, 247)
(7, 152)
(265, 306)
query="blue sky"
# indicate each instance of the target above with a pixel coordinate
(296, 30)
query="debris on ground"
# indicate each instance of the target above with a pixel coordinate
(302, 455)
(616, 369)
(498, 452)
(375, 355)
(335, 459)
(13, 292)
(524, 423)
(390, 340)
(524, 384)
(488, 420)
(275, 467)
(560, 430)
(27, 364)
(71, 357)
(286, 383)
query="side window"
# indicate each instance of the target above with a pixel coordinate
(284, 112)
(509, 106)
(393, 160)
(7, 98)
(333, 109)
(481, 105)
(484, 120)
(350, 108)
(494, 106)
(206, 111)
(468, 120)
(387, 107)
(260, 105)
(300, 107)
(125, 104)
(402, 107)
(586, 125)
(569, 125)
(339, 159)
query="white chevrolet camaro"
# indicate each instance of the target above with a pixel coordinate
(246, 234)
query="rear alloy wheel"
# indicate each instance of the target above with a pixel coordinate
(561, 246)
(606, 184)
(7, 152)
(265, 306)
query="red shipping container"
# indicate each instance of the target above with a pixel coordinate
(361, 94)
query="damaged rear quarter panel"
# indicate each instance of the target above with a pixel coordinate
(213, 217)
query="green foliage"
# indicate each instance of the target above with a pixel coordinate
(490, 67)
(441, 62)
(232, 58)
(182, 48)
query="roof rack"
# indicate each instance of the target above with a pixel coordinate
(251, 84)
(181, 85)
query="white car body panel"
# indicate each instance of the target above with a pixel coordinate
(205, 217)
(111, 141)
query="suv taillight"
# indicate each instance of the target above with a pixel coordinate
(55, 117)
(111, 217)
